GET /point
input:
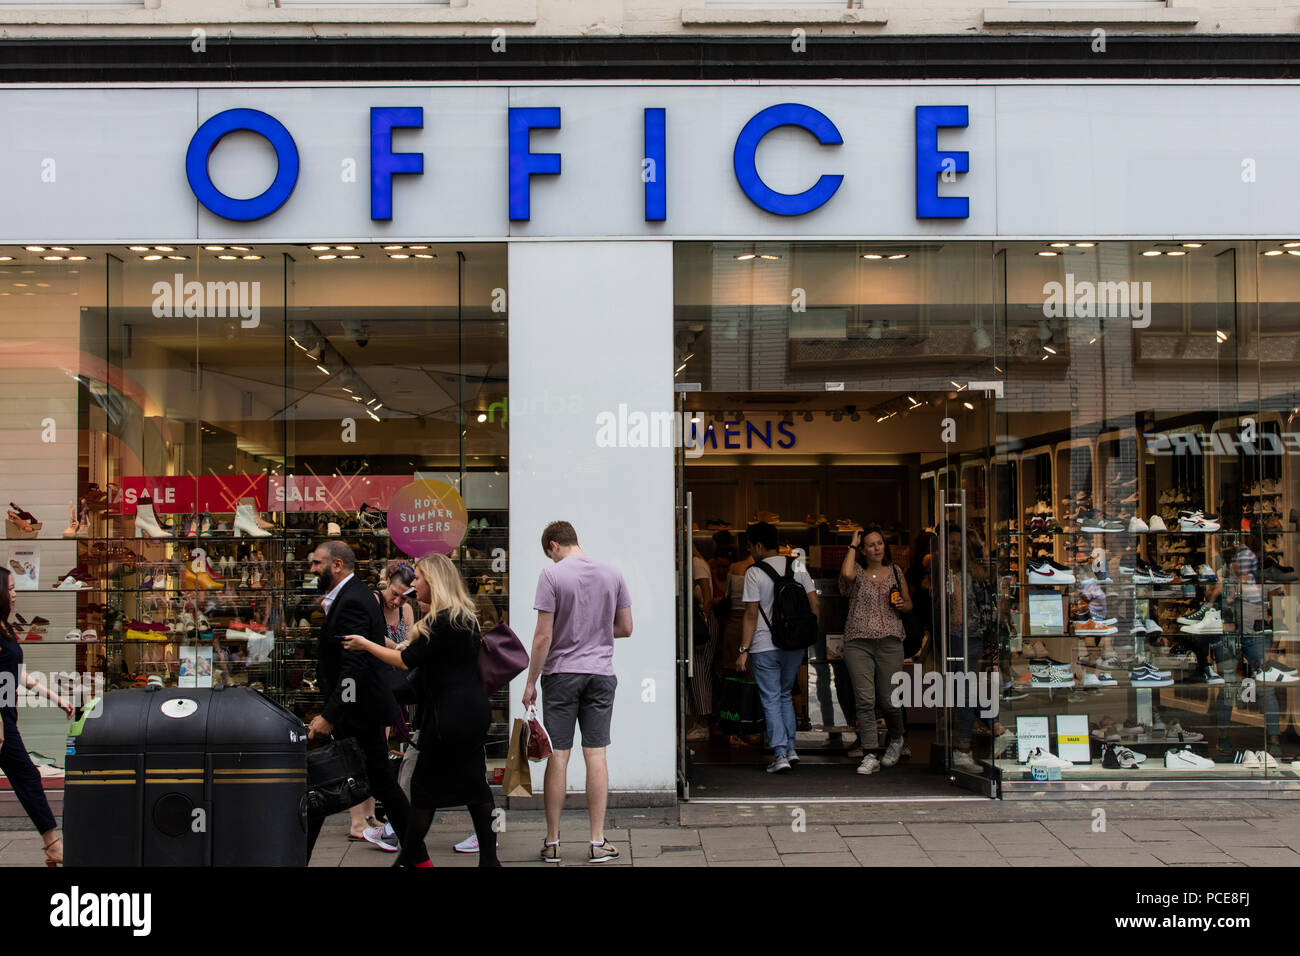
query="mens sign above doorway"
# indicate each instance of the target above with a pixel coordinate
(932, 164)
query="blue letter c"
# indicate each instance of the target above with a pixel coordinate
(784, 114)
(205, 141)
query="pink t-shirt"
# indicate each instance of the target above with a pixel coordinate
(583, 594)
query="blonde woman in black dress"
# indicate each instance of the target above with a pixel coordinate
(454, 712)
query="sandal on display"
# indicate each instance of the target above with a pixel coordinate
(19, 527)
(72, 530)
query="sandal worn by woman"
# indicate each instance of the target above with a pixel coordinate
(54, 852)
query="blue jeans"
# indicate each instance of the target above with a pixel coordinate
(775, 672)
(1254, 648)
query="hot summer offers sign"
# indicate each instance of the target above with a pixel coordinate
(427, 516)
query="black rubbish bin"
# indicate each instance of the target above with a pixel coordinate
(183, 776)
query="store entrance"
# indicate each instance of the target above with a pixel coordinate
(814, 468)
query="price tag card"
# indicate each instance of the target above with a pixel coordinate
(1072, 738)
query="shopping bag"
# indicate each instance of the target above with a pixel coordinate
(519, 779)
(538, 744)
(741, 709)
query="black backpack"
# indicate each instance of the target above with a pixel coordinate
(793, 624)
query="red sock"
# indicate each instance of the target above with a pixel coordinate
(425, 863)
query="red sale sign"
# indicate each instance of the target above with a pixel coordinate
(185, 494)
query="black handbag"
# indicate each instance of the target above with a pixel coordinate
(336, 777)
(741, 708)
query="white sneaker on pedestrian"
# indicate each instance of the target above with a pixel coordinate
(467, 845)
(780, 764)
(892, 753)
(869, 765)
(379, 838)
(791, 756)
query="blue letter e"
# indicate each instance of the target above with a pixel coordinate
(930, 162)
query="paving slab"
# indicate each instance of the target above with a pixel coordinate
(1264, 855)
(949, 837)
(1114, 857)
(816, 839)
(1187, 853)
(966, 859)
(872, 829)
(820, 859)
(1063, 858)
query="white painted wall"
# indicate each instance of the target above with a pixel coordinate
(590, 328)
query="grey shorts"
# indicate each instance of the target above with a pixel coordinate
(585, 699)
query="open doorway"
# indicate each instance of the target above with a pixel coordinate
(816, 468)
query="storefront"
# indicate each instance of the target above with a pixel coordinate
(441, 316)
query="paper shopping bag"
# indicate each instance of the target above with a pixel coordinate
(519, 779)
(538, 743)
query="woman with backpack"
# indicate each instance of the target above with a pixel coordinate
(873, 641)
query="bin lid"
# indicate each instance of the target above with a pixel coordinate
(157, 720)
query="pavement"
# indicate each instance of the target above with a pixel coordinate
(959, 831)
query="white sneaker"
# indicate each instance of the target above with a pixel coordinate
(1137, 526)
(1152, 627)
(1047, 574)
(780, 764)
(1266, 759)
(1175, 732)
(468, 845)
(1044, 758)
(1002, 742)
(378, 837)
(1156, 523)
(1275, 676)
(1186, 760)
(892, 753)
(1098, 680)
(1197, 522)
(1247, 759)
(1212, 623)
(791, 756)
(962, 760)
(869, 765)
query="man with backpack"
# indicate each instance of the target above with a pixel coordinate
(780, 624)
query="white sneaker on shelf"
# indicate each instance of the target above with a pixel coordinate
(1044, 758)
(1186, 759)
(1275, 676)
(1156, 523)
(1247, 759)
(1212, 623)
(1137, 526)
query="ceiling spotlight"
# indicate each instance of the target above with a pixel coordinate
(695, 418)
(1084, 245)
(1046, 253)
(1293, 252)
(1059, 245)
(215, 248)
(164, 248)
(1048, 348)
(969, 406)
(482, 417)
(745, 257)
(899, 255)
(313, 248)
(1221, 335)
(398, 255)
(1176, 252)
(1193, 245)
(1152, 252)
(768, 255)
(1273, 252)
(872, 255)
(807, 416)
(34, 248)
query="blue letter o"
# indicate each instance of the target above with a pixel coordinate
(205, 141)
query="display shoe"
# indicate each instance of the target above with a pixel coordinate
(255, 579)
(146, 522)
(1047, 571)
(1274, 664)
(1147, 678)
(69, 582)
(1156, 523)
(1272, 675)
(1100, 679)
(246, 523)
(25, 515)
(1042, 758)
(332, 529)
(1197, 521)
(1119, 757)
(201, 580)
(1174, 731)
(1186, 759)
(73, 524)
(205, 525)
(1248, 759)
(1152, 627)
(1196, 616)
(20, 528)
(1092, 628)
(1211, 623)
(372, 520)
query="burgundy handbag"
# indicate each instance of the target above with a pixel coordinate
(501, 658)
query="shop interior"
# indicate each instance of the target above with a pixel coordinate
(216, 410)
(1148, 453)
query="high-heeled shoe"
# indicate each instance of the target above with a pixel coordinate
(250, 506)
(71, 530)
(25, 515)
(202, 580)
(19, 527)
(246, 523)
(146, 522)
(205, 525)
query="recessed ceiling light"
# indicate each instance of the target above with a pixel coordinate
(164, 249)
(899, 255)
(59, 249)
(417, 247)
(250, 257)
(227, 257)
(6, 258)
(151, 258)
(241, 248)
(352, 256)
(1059, 245)
(1193, 245)
(52, 258)
(1273, 252)
(1047, 253)
(398, 255)
(768, 255)
(872, 255)
(1084, 245)
(70, 258)
(180, 258)
(215, 248)
(425, 255)
(1291, 245)
(746, 256)
(319, 248)
(138, 248)
(391, 248)
(1176, 252)
(1152, 252)
(328, 255)
(1293, 252)
(34, 248)
(1048, 348)
(345, 248)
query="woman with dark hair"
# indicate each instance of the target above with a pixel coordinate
(920, 583)
(873, 641)
(399, 619)
(15, 762)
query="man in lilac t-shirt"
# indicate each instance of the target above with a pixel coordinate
(582, 605)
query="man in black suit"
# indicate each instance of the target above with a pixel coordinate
(358, 702)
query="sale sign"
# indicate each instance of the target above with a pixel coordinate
(333, 493)
(189, 494)
(427, 516)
